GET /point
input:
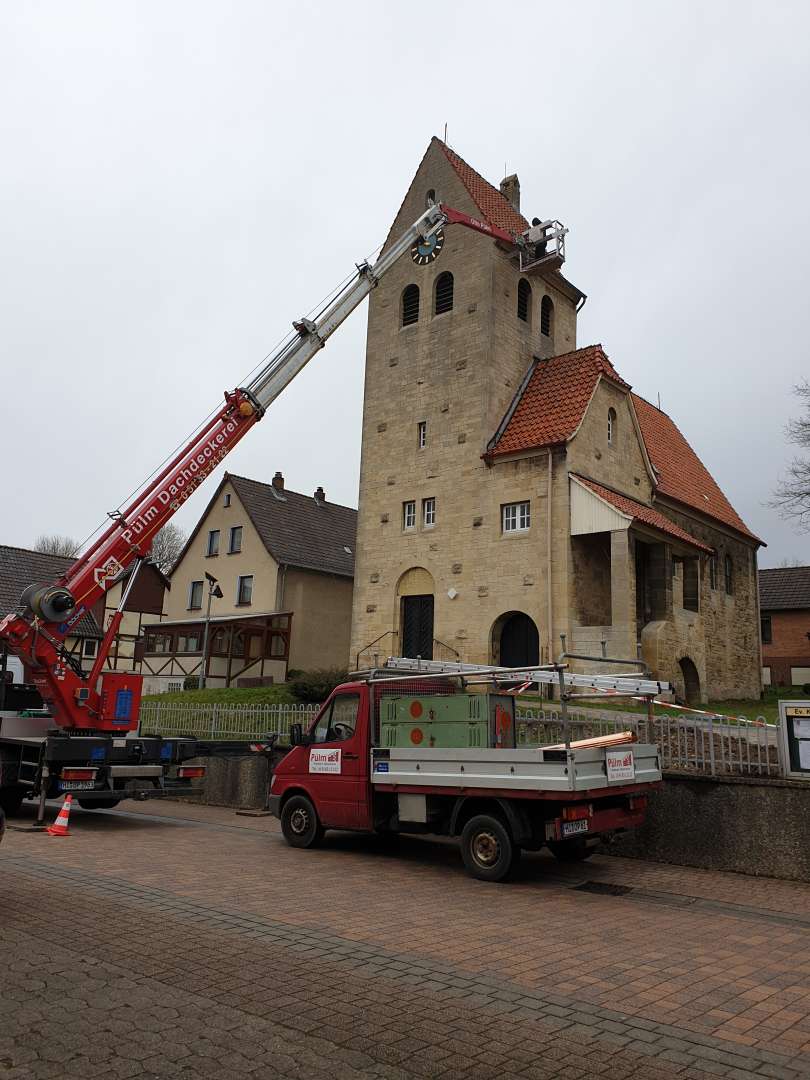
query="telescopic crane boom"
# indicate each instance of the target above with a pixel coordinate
(48, 611)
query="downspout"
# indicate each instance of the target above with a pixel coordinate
(549, 602)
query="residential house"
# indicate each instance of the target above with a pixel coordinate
(284, 563)
(784, 602)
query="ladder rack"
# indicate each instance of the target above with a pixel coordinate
(552, 674)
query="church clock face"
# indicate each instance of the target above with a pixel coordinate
(427, 251)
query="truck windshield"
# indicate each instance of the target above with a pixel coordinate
(338, 722)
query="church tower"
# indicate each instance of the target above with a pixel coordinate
(452, 335)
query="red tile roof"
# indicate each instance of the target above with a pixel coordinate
(645, 514)
(681, 475)
(494, 207)
(550, 407)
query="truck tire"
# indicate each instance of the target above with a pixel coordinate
(11, 799)
(98, 804)
(573, 850)
(299, 823)
(487, 848)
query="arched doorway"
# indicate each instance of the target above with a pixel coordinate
(515, 640)
(415, 599)
(691, 681)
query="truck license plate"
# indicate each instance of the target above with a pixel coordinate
(571, 828)
(76, 785)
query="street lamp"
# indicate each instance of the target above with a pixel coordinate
(213, 590)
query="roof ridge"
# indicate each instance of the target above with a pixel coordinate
(460, 163)
(33, 551)
(657, 408)
(782, 569)
(290, 491)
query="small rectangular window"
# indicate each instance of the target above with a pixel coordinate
(195, 593)
(409, 515)
(90, 648)
(713, 572)
(227, 499)
(244, 589)
(421, 434)
(428, 513)
(235, 540)
(213, 542)
(767, 630)
(515, 517)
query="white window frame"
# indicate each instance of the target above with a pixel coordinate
(409, 515)
(429, 513)
(421, 434)
(231, 549)
(239, 580)
(191, 605)
(209, 554)
(92, 652)
(227, 500)
(516, 517)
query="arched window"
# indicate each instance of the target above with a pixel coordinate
(729, 574)
(443, 295)
(430, 198)
(410, 305)
(611, 426)
(524, 300)
(546, 316)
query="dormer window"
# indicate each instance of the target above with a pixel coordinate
(611, 427)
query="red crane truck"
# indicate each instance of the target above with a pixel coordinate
(389, 753)
(85, 739)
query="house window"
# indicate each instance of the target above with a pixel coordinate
(546, 316)
(159, 642)
(729, 574)
(188, 642)
(611, 426)
(713, 572)
(421, 434)
(213, 543)
(227, 500)
(766, 628)
(409, 515)
(428, 513)
(244, 589)
(90, 648)
(443, 295)
(410, 305)
(524, 305)
(515, 517)
(195, 596)
(235, 540)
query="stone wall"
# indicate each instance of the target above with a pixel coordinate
(758, 827)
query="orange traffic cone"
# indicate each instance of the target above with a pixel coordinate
(60, 826)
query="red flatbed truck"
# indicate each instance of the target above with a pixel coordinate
(389, 755)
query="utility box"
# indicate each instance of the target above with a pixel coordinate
(120, 701)
(794, 733)
(451, 721)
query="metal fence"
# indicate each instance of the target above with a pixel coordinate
(220, 721)
(712, 746)
(715, 746)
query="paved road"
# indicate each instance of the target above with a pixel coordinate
(182, 941)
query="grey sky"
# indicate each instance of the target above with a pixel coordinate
(181, 180)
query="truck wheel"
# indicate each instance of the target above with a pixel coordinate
(98, 804)
(11, 799)
(573, 850)
(299, 823)
(487, 849)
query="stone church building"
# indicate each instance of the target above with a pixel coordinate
(513, 486)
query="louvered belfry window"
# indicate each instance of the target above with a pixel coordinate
(524, 299)
(546, 316)
(444, 293)
(410, 305)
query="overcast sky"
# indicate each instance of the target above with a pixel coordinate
(180, 180)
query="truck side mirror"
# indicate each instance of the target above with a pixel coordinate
(296, 735)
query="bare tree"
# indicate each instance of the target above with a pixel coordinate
(792, 497)
(57, 545)
(166, 547)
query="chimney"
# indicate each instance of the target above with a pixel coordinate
(510, 188)
(320, 495)
(278, 482)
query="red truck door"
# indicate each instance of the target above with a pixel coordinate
(337, 761)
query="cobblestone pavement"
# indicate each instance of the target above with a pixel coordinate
(186, 941)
